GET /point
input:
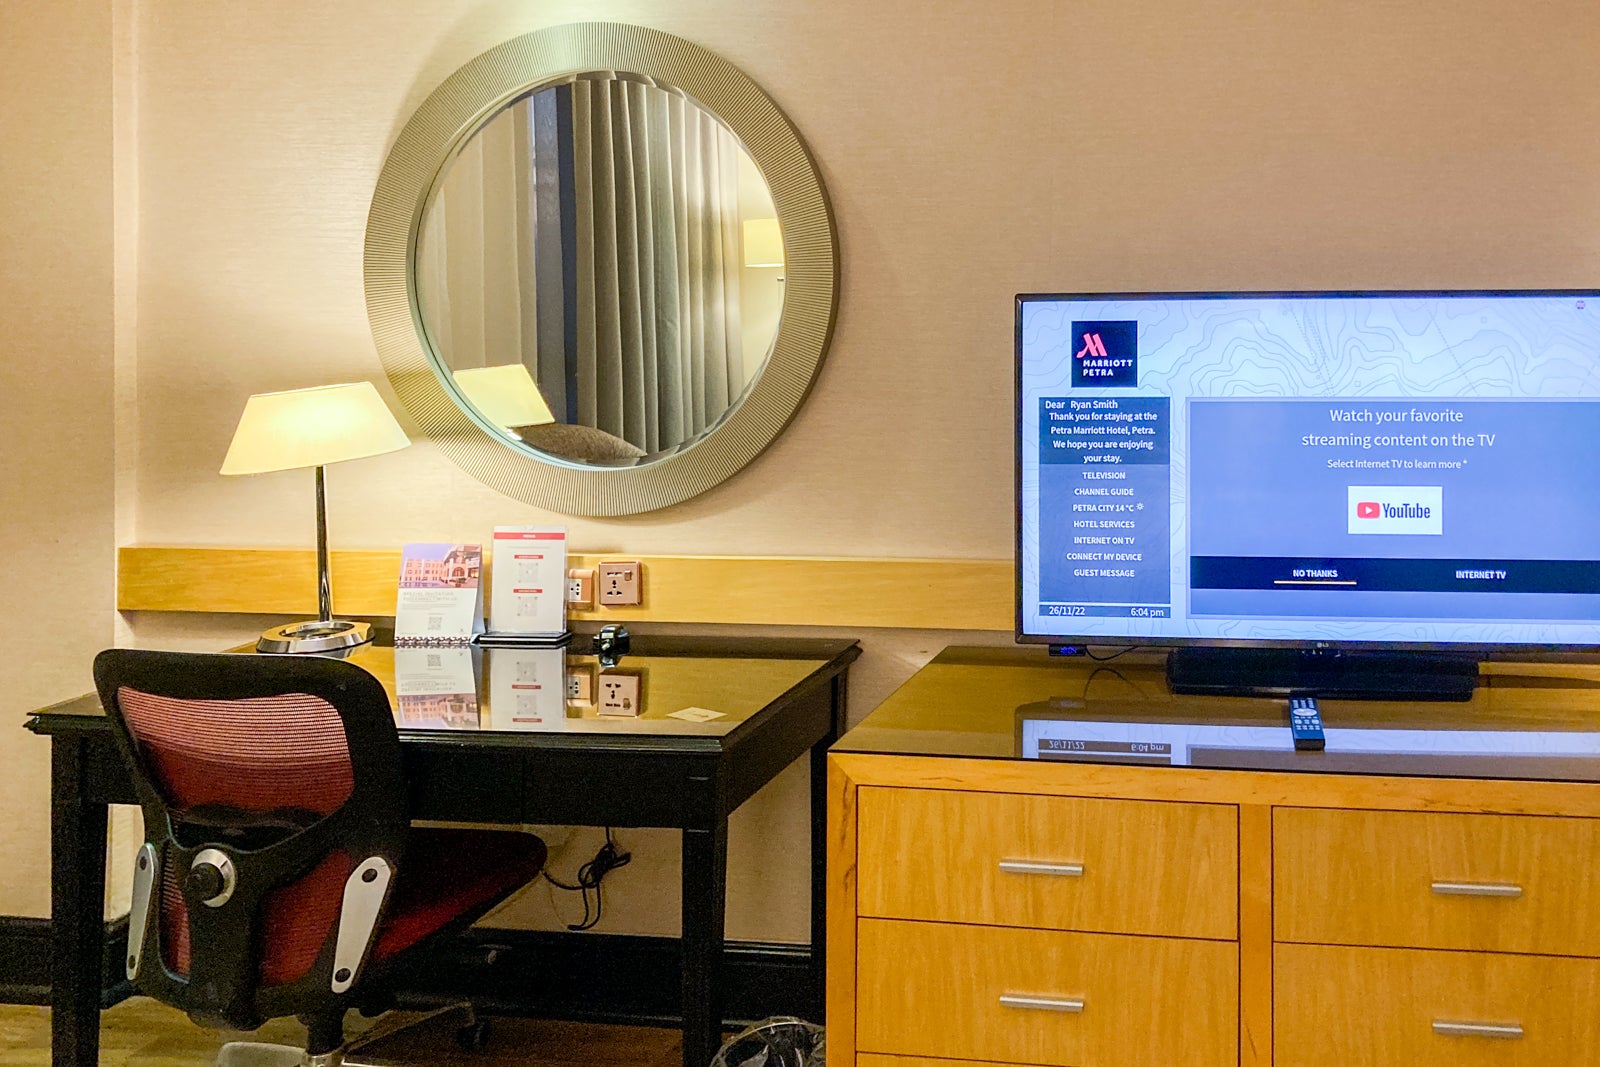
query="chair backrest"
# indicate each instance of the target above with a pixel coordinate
(275, 814)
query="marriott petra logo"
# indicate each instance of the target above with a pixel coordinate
(1106, 353)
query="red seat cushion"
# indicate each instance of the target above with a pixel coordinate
(444, 875)
(450, 873)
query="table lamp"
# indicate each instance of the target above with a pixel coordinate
(505, 395)
(312, 428)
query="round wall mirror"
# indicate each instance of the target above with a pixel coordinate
(601, 269)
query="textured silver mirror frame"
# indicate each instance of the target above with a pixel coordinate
(451, 114)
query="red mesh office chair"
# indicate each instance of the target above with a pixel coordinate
(279, 873)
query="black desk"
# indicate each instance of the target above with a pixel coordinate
(779, 699)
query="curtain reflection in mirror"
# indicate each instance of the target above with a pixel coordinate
(659, 345)
(476, 255)
(592, 232)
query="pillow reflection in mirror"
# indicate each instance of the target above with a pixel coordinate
(580, 444)
(592, 232)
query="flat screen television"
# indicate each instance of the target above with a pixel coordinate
(1358, 493)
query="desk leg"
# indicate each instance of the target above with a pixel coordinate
(819, 855)
(77, 908)
(819, 880)
(705, 892)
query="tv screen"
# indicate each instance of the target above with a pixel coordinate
(1315, 470)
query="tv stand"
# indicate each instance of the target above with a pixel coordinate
(1335, 674)
(1232, 907)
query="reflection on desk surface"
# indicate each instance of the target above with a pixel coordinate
(1525, 720)
(688, 686)
(526, 690)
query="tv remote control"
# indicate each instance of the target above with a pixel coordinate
(1305, 722)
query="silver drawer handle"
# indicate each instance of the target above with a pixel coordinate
(1066, 870)
(1505, 1030)
(1019, 1000)
(1476, 889)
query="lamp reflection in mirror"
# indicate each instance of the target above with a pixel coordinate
(763, 243)
(505, 395)
(312, 428)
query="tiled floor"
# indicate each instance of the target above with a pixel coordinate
(142, 1033)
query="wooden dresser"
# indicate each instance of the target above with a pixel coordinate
(1426, 891)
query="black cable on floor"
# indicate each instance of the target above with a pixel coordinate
(590, 875)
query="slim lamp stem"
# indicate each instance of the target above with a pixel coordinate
(324, 581)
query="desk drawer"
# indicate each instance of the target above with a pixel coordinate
(935, 990)
(1498, 883)
(1334, 1006)
(1112, 866)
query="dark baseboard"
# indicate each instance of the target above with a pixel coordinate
(25, 961)
(607, 978)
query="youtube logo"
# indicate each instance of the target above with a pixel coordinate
(1395, 509)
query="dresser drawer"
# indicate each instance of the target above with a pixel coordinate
(1003, 995)
(1335, 1006)
(1500, 883)
(1062, 863)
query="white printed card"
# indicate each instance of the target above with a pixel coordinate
(529, 594)
(441, 596)
(527, 688)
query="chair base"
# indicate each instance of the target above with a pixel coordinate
(382, 1046)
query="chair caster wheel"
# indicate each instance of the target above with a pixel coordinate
(474, 1037)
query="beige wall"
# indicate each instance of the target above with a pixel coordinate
(972, 150)
(56, 477)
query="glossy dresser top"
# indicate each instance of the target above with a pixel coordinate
(1525, 720)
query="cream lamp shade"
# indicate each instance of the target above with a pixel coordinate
(311, 428)
(505, 395)
(763, 243)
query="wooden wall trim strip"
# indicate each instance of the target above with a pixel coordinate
(791, 591)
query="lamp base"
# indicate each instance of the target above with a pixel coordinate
(317, 635)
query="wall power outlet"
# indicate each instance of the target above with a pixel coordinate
(621, 583)
(621, 693)
(580, 588)
(580, 685)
